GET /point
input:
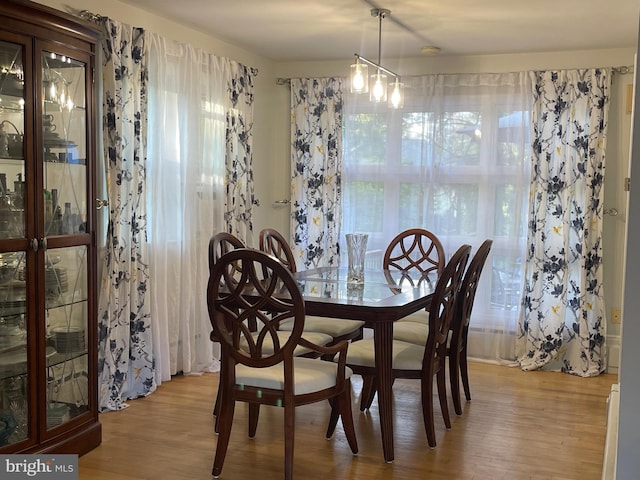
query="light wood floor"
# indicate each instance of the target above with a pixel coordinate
(519, 425)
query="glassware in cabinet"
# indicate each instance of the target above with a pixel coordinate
(14, 347)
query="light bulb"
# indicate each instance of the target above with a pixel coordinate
(358, 80)
(397, 98)
(378, 90)
(359, 77)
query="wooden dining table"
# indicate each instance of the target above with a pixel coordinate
(384, 297)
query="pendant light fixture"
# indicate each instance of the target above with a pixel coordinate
(376, 86)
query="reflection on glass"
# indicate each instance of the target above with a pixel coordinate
(13, 349)
(64, 133)
(67, 354)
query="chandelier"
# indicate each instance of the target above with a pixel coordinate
(378, 89)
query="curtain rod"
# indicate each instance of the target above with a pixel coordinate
(85, 14)
(626, 69)
(622, 70)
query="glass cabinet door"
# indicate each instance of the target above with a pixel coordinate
(64, 138)
(14, 380)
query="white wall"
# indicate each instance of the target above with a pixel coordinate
(628, 460)
(272, 119)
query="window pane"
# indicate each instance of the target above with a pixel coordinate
(506, 281)
(410, 207)
(507, 214)
(455, 209)
(365, 144)
(512, 138)
(458, 141)
(417, 135)
(367, 199)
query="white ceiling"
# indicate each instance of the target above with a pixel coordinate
(293, 30)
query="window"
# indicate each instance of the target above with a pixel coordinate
(456, 165)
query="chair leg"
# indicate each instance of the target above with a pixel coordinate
(289, 431)
(464, 372)
(427, 409)
(333, 419)
(454, 381)
(216, 406)
(224, 421)
(442, 395)
(254, 413)
(344, 403)
(368, 392)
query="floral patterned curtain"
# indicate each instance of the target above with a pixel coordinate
(125, 357)
(562, 325)
(316, 163)
(239, 154)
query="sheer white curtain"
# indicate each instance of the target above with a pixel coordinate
(187, 103)
(454, 160)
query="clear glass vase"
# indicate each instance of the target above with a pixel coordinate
(356, 250)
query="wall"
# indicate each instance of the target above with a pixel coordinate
(628, 460)
(272, 126)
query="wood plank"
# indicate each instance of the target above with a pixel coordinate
(519, 425)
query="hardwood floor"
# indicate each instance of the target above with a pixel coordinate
(519, 425)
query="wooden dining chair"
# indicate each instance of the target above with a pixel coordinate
(272, 242)
(262, 369)
(457, 351)
(416, 251)
(416, 332)
(220, 244)
(412, 361)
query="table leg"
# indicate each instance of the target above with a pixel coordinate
(383, 340)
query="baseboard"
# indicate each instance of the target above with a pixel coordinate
(613, 353)
(611, 442)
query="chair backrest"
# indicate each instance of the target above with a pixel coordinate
(219, 244)
(254, 298)
(468, 288)
(469, 284)
(417, 252)
(443, 303)
(273, 243)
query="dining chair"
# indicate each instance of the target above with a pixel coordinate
(457, 351)
(413, 361)
(272, 242)
(416, 250)
(267, 293)
(416, 332)
(220, 244)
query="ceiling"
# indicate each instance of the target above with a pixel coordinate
(295, 30)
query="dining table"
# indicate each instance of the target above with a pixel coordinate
(383, 297)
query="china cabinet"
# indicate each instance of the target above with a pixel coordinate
(48, 352)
